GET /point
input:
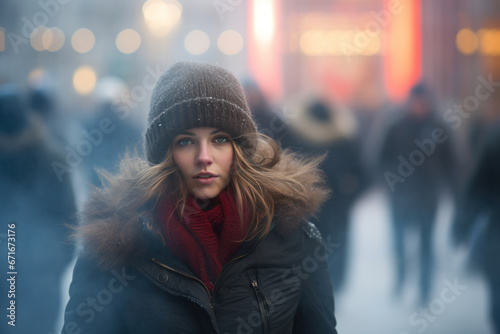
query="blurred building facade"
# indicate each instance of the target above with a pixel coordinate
(368, 49)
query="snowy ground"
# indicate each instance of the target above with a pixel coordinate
(367, 305)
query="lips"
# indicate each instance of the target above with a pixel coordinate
(205, 177)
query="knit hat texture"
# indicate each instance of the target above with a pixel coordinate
(190, 95)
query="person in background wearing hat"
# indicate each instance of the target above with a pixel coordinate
(322, 127)
(34, 208)
(313, 124)
(209, 234)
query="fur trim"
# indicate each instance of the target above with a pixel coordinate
(291, 212)
(113, 234)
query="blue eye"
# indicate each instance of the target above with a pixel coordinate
(184, 142)
(221, 140)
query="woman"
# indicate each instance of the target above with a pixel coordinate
(208, 235)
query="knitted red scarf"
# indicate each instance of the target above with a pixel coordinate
(205, 239)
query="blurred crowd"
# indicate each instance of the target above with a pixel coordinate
(409, 149)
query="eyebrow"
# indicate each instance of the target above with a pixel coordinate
(194, 135)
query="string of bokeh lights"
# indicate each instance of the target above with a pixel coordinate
(162, 17)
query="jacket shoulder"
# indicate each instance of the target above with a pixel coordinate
(311, 230)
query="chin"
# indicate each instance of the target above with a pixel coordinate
(206, 194)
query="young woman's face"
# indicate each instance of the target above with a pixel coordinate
(204, 157)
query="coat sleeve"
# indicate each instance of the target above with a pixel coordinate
(481, 191)
(316, 311)
(94, 298)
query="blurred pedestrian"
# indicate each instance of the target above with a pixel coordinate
(122, 130)
(316, 127)
(267, 118)
(35, 207)
(478, 219)
(416, 161)
(208, 235)
(42, 103)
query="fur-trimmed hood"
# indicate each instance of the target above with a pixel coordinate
(115, 232)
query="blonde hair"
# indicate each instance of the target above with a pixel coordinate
(269, 178)
(267, 183)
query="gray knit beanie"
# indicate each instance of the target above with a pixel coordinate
(190, 95)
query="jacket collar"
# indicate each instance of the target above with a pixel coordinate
(160, 250)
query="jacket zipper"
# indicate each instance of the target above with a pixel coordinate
(183, 274)
(197, 279)
(211, 303)
(237, 258)
(188, 297)
(261, 298)
(231, 261)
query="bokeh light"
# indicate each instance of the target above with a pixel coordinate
(53, 39)
(312, 43)
(333, 39)
(162, 16)
(83, 40)
(264, 23)
(36, 38)
(84, 80)
(230, 42)
(373, 47)
(330, 43)
(197, 42)
(467, 41)
(128, 41)
(489, 41)
(35, 76)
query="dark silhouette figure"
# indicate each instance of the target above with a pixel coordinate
(478, 219)
(111, 132)
(269, 122)
(43, 103)
(320, 129)
(314, 128)
(35, 207)
(416, 157)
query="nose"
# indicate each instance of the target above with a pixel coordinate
(204, 157)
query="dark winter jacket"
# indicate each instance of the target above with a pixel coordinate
(278, 284)
(478, 216)
(414, 165)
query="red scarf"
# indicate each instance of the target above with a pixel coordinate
(204, 240)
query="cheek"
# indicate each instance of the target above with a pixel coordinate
(182, 160)
(228, 162)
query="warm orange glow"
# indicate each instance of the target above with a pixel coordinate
(84, 80)
(162, 16)
(330, 42)
(313, 42)
(333, 39)
(264, 45)
(263, 23)
(403, 63)
(489, 41)
(467, 41)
